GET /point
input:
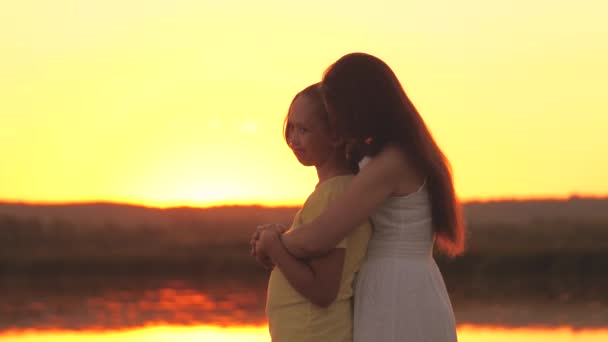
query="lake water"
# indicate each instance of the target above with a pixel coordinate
(89, 309)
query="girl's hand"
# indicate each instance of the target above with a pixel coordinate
(279, 228)
(267, 242)
(254, 239)
(262, 258)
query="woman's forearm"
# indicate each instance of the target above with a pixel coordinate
(302, 243)
(367, 191)
(325, 232)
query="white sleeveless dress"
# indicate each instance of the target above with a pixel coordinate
(400, 294)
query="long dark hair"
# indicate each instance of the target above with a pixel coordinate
(369, 107)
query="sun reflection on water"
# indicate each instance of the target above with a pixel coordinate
(125, 306)
(260, 333)
(470, 333)
(146, 334)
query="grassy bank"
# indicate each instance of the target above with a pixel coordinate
(555, 259)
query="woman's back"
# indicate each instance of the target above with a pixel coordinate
(402, 227)
(400, 294)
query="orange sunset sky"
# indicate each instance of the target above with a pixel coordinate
(181, 102)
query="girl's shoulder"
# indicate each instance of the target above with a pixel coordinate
(325, 193)
(332, 186)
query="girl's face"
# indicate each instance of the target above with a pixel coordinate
(307, 134)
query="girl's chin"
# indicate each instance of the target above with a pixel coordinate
(305, 162)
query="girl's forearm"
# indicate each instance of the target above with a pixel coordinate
(299, 274)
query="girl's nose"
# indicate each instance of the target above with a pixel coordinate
(293, 140)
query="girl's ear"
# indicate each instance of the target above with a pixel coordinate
(338, 142)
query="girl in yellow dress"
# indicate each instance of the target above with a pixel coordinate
(311, 300)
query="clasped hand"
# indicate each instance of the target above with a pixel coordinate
(263, 240)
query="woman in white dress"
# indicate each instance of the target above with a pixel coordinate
(405, 185)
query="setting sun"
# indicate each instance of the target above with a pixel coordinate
(167, 103)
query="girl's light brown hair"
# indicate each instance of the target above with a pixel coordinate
(313, 93)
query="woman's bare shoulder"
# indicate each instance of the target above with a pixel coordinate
(392, 156)
(396, 163)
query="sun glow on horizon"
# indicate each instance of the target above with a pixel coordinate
(171, 103)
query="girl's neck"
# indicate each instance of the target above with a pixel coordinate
(330, 170)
